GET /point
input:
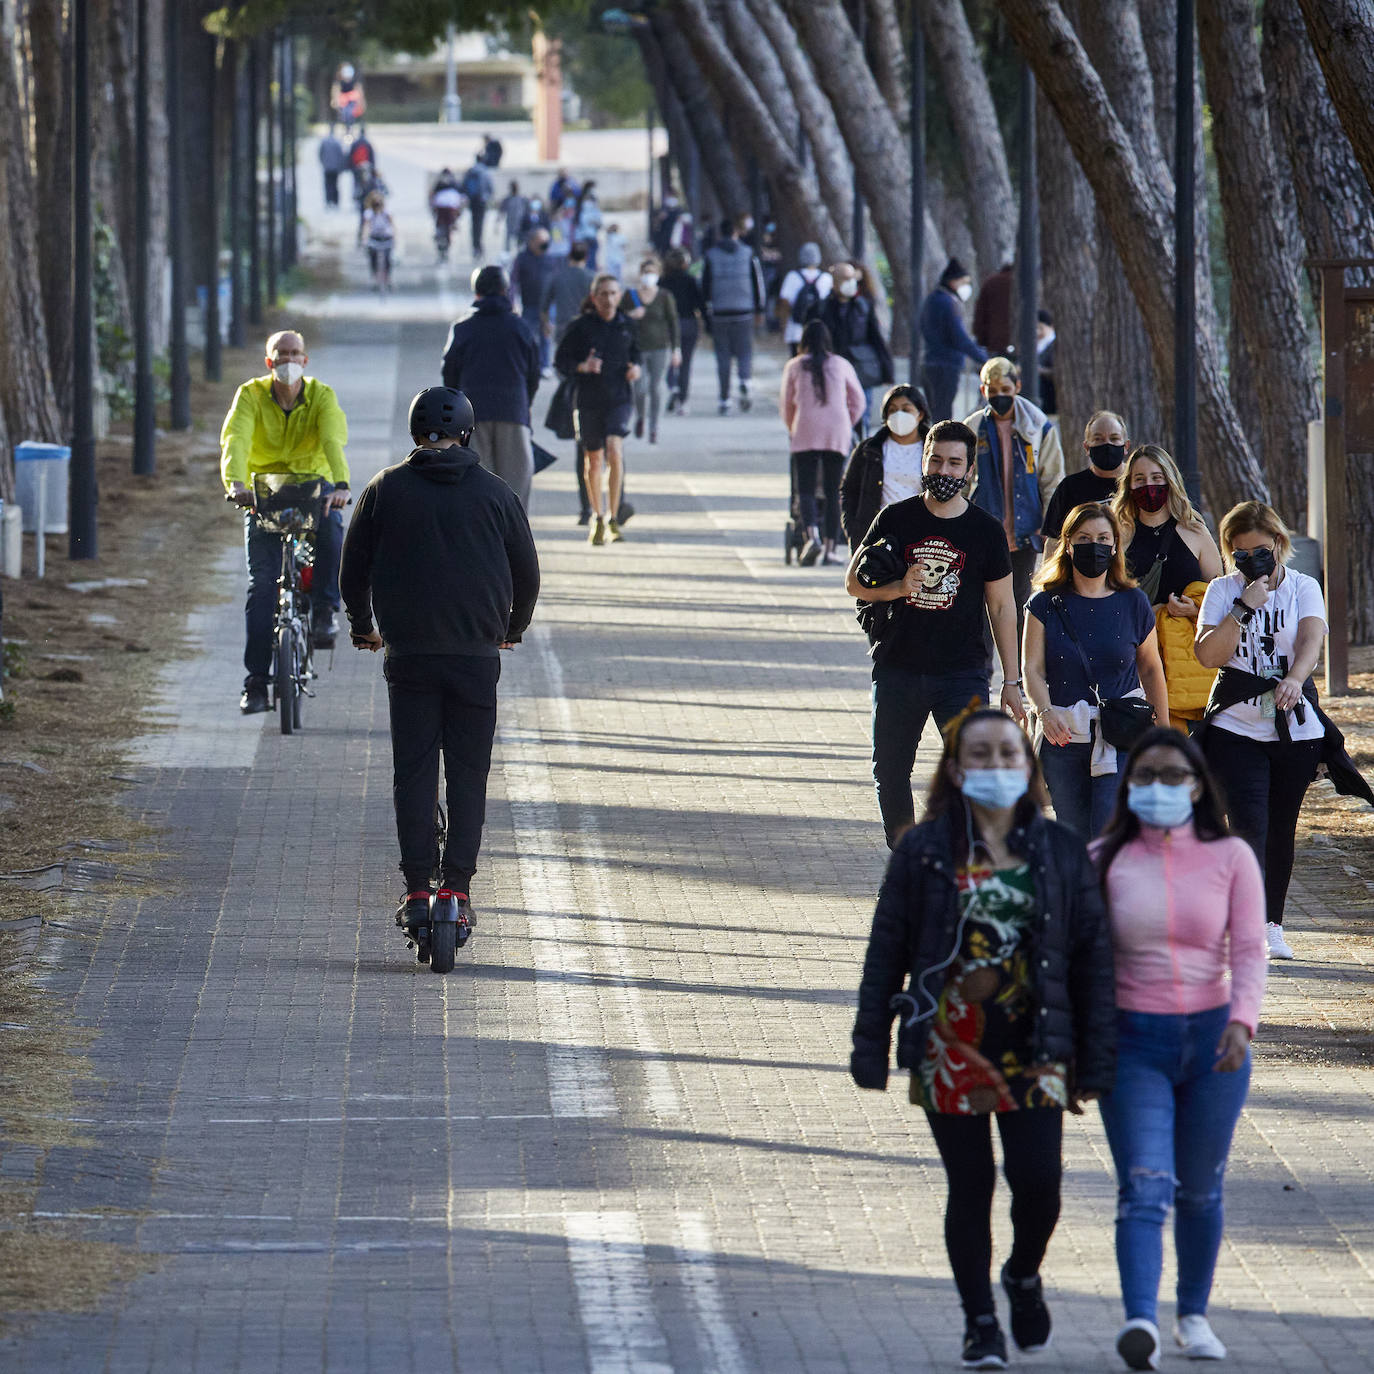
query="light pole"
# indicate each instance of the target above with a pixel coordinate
(1028, 246)
(918, 185)
(145, 418)
(453, 106)
(82, 540)
(176, 222)
(1185, 258)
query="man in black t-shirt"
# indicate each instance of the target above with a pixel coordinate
(1104, 441)
(931, 660)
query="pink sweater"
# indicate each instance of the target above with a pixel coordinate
(816, 426)
(1184, 913)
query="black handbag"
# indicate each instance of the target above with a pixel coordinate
(1122, 719)
(560, 416)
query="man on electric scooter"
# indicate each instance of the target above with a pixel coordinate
(284, 422)
(440, 549)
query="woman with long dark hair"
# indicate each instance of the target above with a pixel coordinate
(821, 402)
(1186, 904)
(887, 466)
(990, 942)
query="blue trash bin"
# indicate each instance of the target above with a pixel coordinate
(41, 477)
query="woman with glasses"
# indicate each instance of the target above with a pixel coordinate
(1185, 901)
(1263, 626)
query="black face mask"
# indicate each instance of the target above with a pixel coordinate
(1001, 404)
(1092, 560)
(1259, 563)
(942, 485)
(1107, 457)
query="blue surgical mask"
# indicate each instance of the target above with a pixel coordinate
(1158, 804)
(995, 788)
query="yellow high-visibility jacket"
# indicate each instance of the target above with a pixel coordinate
(258, 436)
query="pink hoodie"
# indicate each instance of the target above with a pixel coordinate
(1184, 913)
(813, 425)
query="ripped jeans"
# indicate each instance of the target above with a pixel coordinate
(1169, 1121)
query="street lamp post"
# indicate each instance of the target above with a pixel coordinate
(145, 418)
(82, 499)
(176, 223)
(453, 106)
(1185, 257)
(1028, 246)
(918, 185)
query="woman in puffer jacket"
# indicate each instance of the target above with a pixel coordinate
(990, 941)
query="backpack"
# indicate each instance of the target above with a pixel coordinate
(807, 300)
(473, 184)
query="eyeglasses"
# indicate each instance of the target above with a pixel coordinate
(1170, 777)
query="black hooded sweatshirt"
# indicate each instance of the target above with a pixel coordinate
(441, 549)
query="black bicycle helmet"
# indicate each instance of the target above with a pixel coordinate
(440, 412)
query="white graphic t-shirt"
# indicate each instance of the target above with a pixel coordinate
(901, 471)
(1266, 648)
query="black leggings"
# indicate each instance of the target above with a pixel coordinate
(1031, 1160)
(830, 464)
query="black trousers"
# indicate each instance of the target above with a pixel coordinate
(830, 465)
(1032, 1162)
(331, 189)
(1264, 785)
(441, 702)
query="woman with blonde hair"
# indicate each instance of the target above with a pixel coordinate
(1089, 638)
(1263, 624)
(1104, 442)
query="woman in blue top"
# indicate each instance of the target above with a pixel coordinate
(1085, 582)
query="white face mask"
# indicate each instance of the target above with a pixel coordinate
(964, 291)
(289, 373)
(902, 423)
(848, 288)
(648, 278)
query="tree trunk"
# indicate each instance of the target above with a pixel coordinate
(1068, 250)
(1265, 299)
(876, 148)
(1112, 38)
(969, 107)
(694, 95)
(1139, 220)
(1342, 32)
(50, 47)
(798, 193)
(26, 394)
(833, 169)
(886, 48)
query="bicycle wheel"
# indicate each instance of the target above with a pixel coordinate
(286, 678)
(443, 941)
(302, 665)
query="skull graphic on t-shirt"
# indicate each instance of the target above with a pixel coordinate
(939, 563)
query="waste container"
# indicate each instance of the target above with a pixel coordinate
(41, 473)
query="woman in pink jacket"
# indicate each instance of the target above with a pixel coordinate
(1186, 903)
(822, 400)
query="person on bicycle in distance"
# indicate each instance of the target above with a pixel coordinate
(285, 422)
(440, 549)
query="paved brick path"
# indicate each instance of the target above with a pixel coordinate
(620, 1136)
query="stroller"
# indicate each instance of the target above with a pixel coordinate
(794, 531)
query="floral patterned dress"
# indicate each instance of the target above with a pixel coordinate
(978, 1058)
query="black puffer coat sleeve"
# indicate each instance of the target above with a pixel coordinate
(1092, 983)
(885, 968)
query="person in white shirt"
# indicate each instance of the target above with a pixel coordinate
(887, 466)
(802, 289)
(1266, 620)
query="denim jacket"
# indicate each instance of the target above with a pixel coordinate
(1037, 468)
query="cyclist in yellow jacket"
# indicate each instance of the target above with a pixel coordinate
(285, 422)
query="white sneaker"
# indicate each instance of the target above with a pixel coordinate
(1197, 1340)
(1138, 1344)
(1278, 946)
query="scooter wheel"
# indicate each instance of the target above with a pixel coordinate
(443, 943)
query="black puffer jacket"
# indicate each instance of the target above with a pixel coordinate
(1070, 956)
(861, 487)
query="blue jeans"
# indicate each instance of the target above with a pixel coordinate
(942, 382)
(903, 700)
(1169, 1121)
(531, 318)
(263, 550)
(1081, 801)
(733, 336)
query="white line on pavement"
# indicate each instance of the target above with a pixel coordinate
(614, 1297)
(695, 1254)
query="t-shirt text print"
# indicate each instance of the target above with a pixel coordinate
(939, 564)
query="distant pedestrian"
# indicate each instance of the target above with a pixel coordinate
(361, 151)
(616, 243)
(379, 237)
(587, 222)
(441, 553)
(654, 312)
(535, 217)
(600, 352)
(1263, 625)
(490, 156)
(566, 292)
(821, 401)
(1045, 336)
(513, 209)
(333, 160)
(732, 283)
(685, 290)
(992, 310)
(850, 313)
(990, 947)
(492, 356)
(1185, 900)
(929, 659)
(478, 189)
(945, 342)
(885, 467)
(801, 293)
(1090, 638)
(563, 189)
(1104, 443)
(531, 273)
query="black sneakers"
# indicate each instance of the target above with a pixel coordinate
(325, 631)
(1030, 1318)
(254, 698)
(985, 1347)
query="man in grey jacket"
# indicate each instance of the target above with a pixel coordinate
(732, 283)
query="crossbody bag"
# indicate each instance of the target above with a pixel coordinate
(1122, 720)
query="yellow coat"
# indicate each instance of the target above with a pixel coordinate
(258, 436)
(1189, 682)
